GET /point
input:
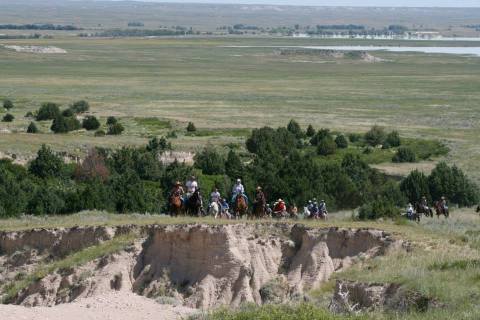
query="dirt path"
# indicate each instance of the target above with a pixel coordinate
(114, 306)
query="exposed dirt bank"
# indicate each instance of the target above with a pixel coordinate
(189, 266)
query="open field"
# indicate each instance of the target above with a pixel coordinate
(221, 89)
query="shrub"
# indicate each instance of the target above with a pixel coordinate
(191, 127)
(7, 104)
(310, 131)
(93, 167)
(354, 137)
(319, 136)
(80, 106)
(48, 111)
(29, 114)
(90, 123)
(380, 208)
(210, 161)
(63, 124)
(341, 142)
(295, 129)
(393, 139)
(414, 186)
(115, 129)
(45, 200)
(67, 113)
(326, 146)
(376, 136)
(32, 128)
(233, 165)
(111, 121)
(156, 145)
(46, 164)
(13, 189)
(99, 133)
(404, 154)
(8, 118)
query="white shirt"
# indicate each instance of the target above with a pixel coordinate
(215, 196)
(238, 189)
(191, 186)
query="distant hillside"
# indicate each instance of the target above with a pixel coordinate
(209, 17)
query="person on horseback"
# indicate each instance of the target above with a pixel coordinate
(177, 189)
(322, 207)
(279, 208)
(192, 186)
(215, 196)
(224, 205)
(424, 203)
(443, 203)
(410, 211)
(268, 210)
(259, 195)
(238, 189)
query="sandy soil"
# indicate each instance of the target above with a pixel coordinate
(114, 306)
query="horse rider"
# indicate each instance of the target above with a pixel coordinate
(322, 207)
(410, 211)
(315, 212)
(259, 195)
(268, 210)
(443, 203)
(279, 208)
(424, 203)
(224, 205)
(215, 197)
(192, 186)
(238, 189)
(177, 190)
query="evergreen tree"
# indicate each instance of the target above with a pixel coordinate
(341, 142)
(32, 128)
(310, 131)
(48, 111)
(7, 104)
(46, 164)
(233, 166)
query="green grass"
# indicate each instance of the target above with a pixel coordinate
(74, 260)
(181, 80)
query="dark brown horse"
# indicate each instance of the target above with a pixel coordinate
(240, 206)
(478, 209)
(419, 209)
(440, 209)
(176, 204)
(259, 210)
(194, 205)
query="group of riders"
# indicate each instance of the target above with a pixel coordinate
(422, 207)
(190, 202)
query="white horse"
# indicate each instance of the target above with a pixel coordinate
(214, 210)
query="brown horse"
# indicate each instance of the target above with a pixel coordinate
(259, 210)
(439, 209)
(176, 204)
(419, 209)
(241, 207)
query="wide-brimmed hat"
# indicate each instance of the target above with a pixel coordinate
(239, 180)
(259, 188)
(443, 198)
(178, 183)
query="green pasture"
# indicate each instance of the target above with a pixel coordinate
(155, 86)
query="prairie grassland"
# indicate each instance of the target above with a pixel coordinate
(221, 88)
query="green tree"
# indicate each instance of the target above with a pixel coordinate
(8, 118)
(233, 165)
(7, 104)
(404, 154)
(80, 106)
(157, 145)
(326, 146)
(310, 131)
(393, 139)
(341, 142)
(320, 135)
(375, 136)
(45, 200)
(415, 186)
(111, 121)
(48, 111)
(32, 128)
(379, 208)
(63, 124)
(46, 164)
(115, 129)
(210, 161)
(90, 123)
(68, 113)
(295, 129)
(191, 127)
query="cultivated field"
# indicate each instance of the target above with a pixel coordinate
(157, 85)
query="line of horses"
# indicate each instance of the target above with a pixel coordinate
(193, 206)
(420, 210)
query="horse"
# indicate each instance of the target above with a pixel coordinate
(419, 209)
(240, 206)
(440, 209)
(194, 204)
(215, 210)
(176, 204)
(323, 215)
(259, 205)
(415, 216)
(478, 209)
